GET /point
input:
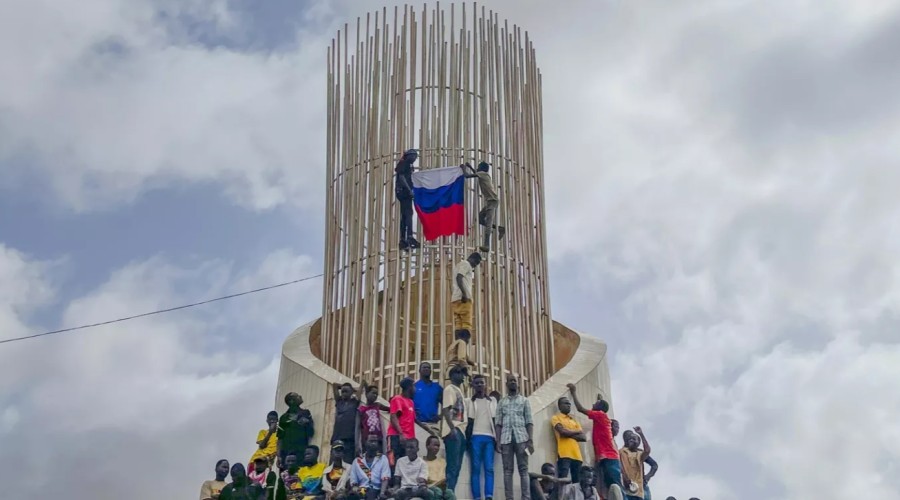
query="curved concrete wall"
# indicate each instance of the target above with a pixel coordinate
(304, 373)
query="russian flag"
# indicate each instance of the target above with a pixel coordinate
(438, 196)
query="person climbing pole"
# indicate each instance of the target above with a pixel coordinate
(487, 217)
(403, 189)
(461, 298)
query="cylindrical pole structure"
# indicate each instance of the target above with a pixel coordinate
(459, 85)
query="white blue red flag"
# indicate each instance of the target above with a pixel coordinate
(438, 196)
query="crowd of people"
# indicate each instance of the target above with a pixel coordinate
(373, 461)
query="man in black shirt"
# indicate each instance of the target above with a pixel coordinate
(295, 428)
(346, 416)
(241, 488)
(403, 189)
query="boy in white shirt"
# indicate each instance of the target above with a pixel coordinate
(413, 474)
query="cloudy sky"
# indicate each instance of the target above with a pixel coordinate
(739, 252)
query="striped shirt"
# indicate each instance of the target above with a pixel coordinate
(514, 414)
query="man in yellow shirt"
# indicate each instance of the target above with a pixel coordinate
(568, 434)
(267, 440)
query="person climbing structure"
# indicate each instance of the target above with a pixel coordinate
(403, 189)
(461, 302)
(488, 214)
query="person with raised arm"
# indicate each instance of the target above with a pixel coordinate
(369, 419)
(609, 470)
(633, 457)
(488, 214)
(346, 415)
(267, 440)
(403, 189)
(463, 310)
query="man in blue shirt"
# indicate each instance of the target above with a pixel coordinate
(427, 399)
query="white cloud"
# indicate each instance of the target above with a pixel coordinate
(189, 381)
(791, 406)
(109, 99)
(736, 160)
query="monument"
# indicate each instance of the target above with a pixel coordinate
(460, 85)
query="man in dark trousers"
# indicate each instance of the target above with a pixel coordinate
(568, 434)
(403, 189)
(346, 415)
(515, 432)
(609, 470)
(455, 421)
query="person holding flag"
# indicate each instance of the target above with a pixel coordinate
(488, 214)
(403, 189)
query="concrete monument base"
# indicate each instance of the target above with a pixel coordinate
(582, 360)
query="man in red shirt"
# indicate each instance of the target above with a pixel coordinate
(608, 467)
(403, 419)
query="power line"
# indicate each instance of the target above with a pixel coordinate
(177, 308)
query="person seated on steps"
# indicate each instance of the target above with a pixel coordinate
(547, 485)
(412, 472)
(241, 488)
(491, 201)
(584, 489)
(263, 475)
(336, 477)
(437, 470)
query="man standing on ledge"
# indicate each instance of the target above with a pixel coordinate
(455, 420)
(515, 429)
(568, 435)
(295, 428)
(427, 399)
(403, 189)
(609, 471)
